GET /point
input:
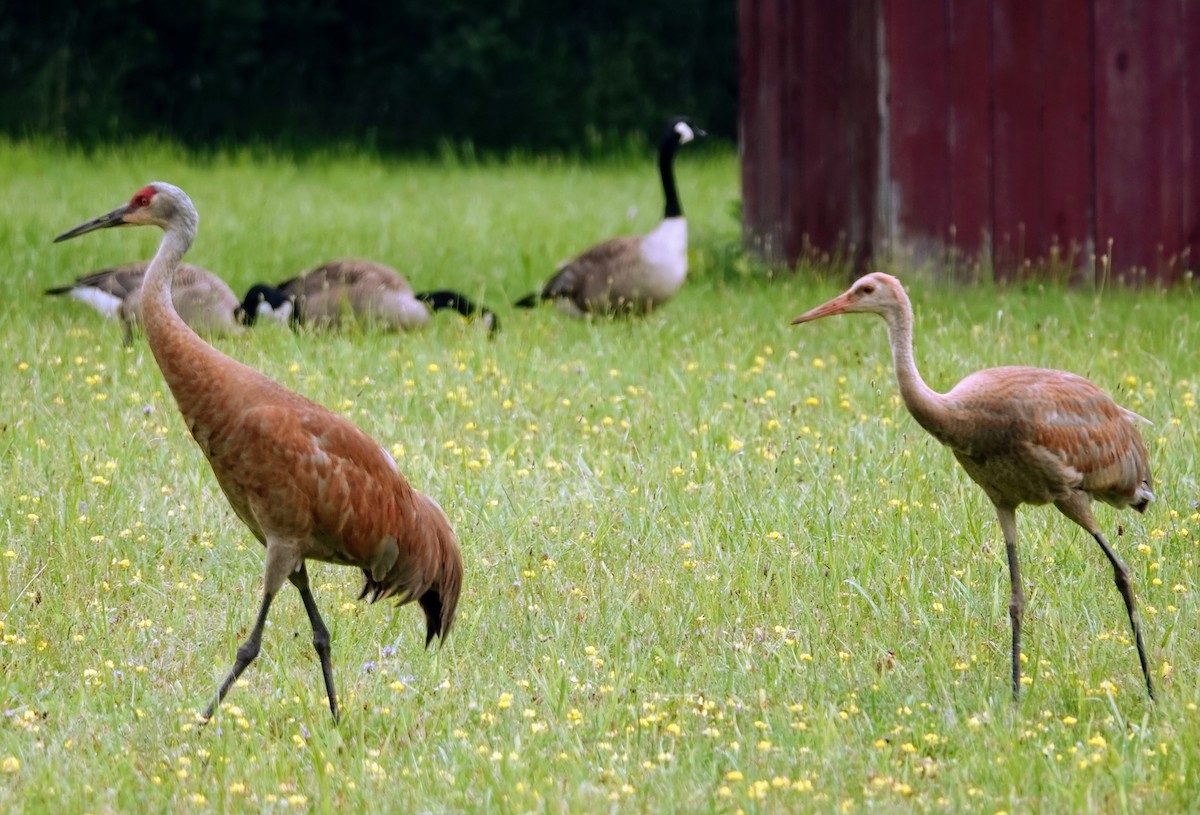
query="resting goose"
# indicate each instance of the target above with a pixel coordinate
(203, 300)
(363, 290)
(632, 274)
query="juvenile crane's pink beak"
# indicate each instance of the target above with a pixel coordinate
(835, 306)
(114, 218)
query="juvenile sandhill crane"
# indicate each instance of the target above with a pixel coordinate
(203, 300)
(1026, 435)
(633, 274)
(308, 483)
(362, 289)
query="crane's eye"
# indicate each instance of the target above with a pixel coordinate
(143, 201)
(867, 289)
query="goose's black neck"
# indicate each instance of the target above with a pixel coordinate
(666, 168)
(247, 312)
(445, 298)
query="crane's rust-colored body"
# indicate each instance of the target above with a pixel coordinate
(1026, 436)
(308, 483)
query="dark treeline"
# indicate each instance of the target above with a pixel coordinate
(405, 75)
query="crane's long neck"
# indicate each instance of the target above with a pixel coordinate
(666, 169)
(158, 311)
(189, 365)
(925, 404)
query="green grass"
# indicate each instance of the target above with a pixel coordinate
(711, 562)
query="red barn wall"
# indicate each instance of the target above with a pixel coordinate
(1026, 137)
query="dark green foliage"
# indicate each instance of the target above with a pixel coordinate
(405, 75)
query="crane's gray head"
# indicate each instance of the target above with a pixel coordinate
(877, 293)
(156, 204)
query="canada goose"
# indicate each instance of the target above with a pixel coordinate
(362, 289)
(633, 274)
(203, 300)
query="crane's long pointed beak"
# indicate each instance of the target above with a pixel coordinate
(114, 218)
(835, 306)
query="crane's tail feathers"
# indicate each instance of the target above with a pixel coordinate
(371, 587)
(436, 622)
(1144, 496)
(445, 298)
(438, 603)
(439, 607)
(60, 290)
(529, 301)
(375, 590)
(1137, 417)
(433, 578)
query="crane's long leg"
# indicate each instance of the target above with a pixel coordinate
(1078, 507)
(320, 635)
(1121, 577)
(280, 562)
(246, 653)
(1016, 600)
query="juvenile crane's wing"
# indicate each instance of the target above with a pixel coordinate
(1090, 433)
(1057, 427)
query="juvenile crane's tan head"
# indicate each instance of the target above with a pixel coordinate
(877, 293)
(156, 204)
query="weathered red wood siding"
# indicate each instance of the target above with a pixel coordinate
(969, 123)
(808, 144)
(1035, 137)
(1140, 131)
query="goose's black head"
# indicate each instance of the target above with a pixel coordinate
(266, 301)
(679, 130)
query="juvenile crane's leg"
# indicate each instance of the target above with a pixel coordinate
(1016, 600)
(279, 564)
(1078, 507)
(320, 635)
(1121, 577)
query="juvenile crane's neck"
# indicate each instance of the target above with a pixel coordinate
(925, 404)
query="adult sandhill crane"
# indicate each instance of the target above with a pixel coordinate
(1026, 435)
(308, 483)
(203, 300)
(363, 289)
(633, 274)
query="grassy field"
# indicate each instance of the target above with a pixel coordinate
(711, 563)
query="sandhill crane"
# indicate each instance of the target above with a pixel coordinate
(308, 483)
(634, 274)
(365, 290)
(1026, 435)
(203, 300)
